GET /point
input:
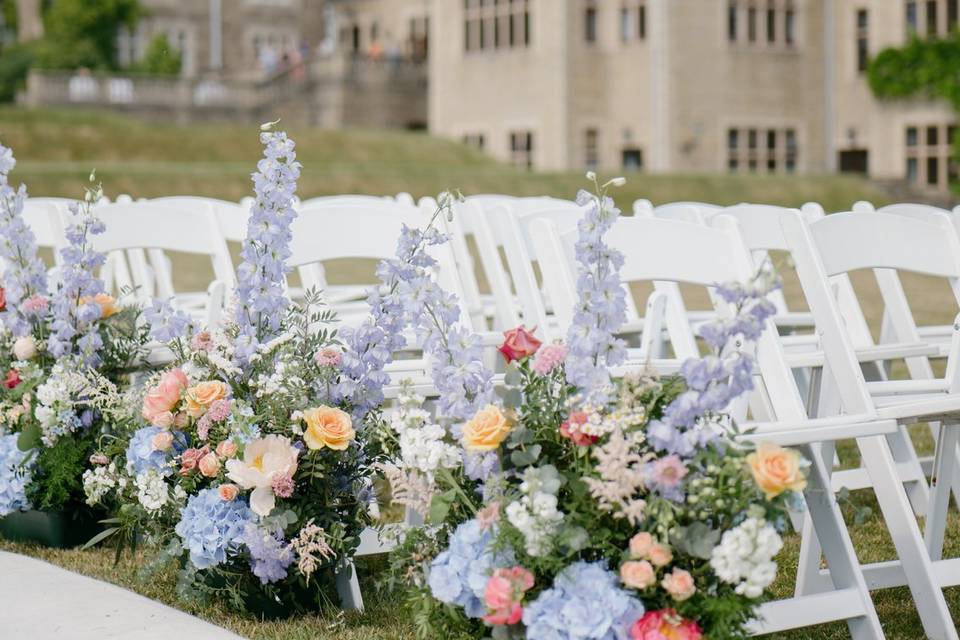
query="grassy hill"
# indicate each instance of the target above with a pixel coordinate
(57, 149)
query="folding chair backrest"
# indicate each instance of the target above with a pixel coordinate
(350, 199)
(43, 217)
(231, 216)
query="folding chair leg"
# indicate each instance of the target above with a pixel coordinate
(809, 579)
(914, 558)
(944, 466)
(348, 588)
(901, 447)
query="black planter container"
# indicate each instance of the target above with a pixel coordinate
(55, 529)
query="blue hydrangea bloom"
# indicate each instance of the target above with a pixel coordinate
(210, 526)
(13, 477)
(459, 575)
(270, 555)
(585, 603)
(141, 456)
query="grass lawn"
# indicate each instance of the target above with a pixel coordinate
(57, 149)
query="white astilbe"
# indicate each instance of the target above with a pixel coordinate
(621, 477)
(535, 514)
(409, 488)
(310, 547)
(745, 555)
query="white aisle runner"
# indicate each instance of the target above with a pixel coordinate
(42, 602)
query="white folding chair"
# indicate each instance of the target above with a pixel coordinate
(231, 216)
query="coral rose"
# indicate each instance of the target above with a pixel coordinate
(486, 430)
(201, 396)
(3, 299)
(679, 584)
(228, 491)
(640, 545)
(665, 624)
(165, 396)
(660, 555)
(24, 348)
(518, 343)
(328, 427)
(12, 380)
(570, 429)
(504, 593)
(638, 574)
(209, 465)
(776, 469)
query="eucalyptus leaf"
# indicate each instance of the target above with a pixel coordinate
(440, 506)
(29, 438)
(697, 540)
(512, 399)
(513, 377)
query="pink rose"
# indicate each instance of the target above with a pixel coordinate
(679, 584)
(518, 344)
(640, 545)
(165, 396)
(162, 441)
(226, 449)
(180, 419)
(209, 465)
(504, 595)
(99, 458)
(665, 623)
(660, 555)
(191, 458)
(228, 491)
(638, 574)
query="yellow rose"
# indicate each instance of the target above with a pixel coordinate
(328, 427)
(776, 469)
(200, 397)
(486, 430)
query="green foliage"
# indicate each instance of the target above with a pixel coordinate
(923, 67)
(160, 58)
(79, 33)
(57, 480)
(15, 62)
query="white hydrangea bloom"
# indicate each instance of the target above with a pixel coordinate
(745, 555)
(422, 441)
(535, 514)
(152, 490)
(98, 482)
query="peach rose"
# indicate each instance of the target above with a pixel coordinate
(486, 430)
(776, 469)
(660, 555)
(165, 396)
(640, 545)
(228, 491)
(201, 396)
(163, 420)
(209, 465)
(679, 584)
(226, 449)
(163, 441)
(638, 575)
(108, 305)
(328, 427)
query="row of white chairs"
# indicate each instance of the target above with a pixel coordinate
(821, 377)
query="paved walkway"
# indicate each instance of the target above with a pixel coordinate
(39, 601)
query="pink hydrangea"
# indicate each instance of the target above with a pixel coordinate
(283, 486)
(219, 410)
(328, 357)
(549, 358)
(36, 304)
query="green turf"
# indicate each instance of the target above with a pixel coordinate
(57, 149)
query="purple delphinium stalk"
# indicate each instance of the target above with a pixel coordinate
(25, 274)
(261, 301)
(592, 345)
(714, 381)
(74, 323)
(166, 323)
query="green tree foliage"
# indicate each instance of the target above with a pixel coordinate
(923, 68)
(160, 58)
(15, 61)
(81, 33)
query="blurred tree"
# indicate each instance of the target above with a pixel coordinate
(928, 68)
(160, 58)
(81, 33)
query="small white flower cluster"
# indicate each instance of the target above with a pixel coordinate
(601, 422)
(535, 514)
(745, 555)
(152, 491)
(280, 380)
(100, 480)
(421, 441)
(55, 397)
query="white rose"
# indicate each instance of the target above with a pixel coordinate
(24, 348)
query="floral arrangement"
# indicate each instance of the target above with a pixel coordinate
(248, 464)
(63, 352)
(605, 509)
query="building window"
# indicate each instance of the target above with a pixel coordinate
(591, 149)
(632, 159)
(732, 22)
(642, 21)
(771, 149)
(771, 22)
(933, 171)
(492, 25)
(911, 17)
(752, 23)
(952, 15)
(929, 153)
(863, 40)
(475, 140)
(931, 17)
(590, 22)
(790, 24)
(633, 20)
(626, 25)
(521, 149)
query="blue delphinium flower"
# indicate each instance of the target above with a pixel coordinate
(210, 526)
(74, 329)
(585, 603)
(141, 456)
(592, 345)
(166, 323)
(14, 475)
(270, 555)
(261, 299)
(459, 575)
(24, 274)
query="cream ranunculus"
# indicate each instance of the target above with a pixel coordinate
(776, 469)
(486, 430)
(24, 348)
(328, 427)
(264, 459)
